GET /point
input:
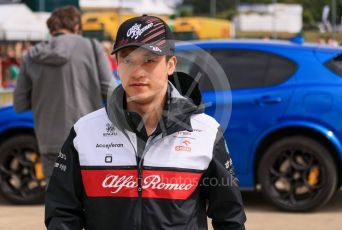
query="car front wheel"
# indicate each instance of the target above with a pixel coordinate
(21, 176)
(297, 174)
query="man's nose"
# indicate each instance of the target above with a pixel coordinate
(137, 71)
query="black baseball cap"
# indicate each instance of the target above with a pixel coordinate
(148, 32)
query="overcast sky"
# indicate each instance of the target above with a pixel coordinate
(172, 2)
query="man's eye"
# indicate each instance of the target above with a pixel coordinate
(149, 61)
(127, 61)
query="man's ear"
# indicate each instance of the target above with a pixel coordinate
(171, 65)
(77, 29)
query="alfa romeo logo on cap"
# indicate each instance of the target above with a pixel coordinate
(136, 30)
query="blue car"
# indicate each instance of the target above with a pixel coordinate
(21, 177)
(281, 112)
(279, 104)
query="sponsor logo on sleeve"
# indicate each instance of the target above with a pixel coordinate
(187, 134)
(109, 145)
(110, 131)
(185, 146)
(61, 167)
(108, 158)
(62, 156)
(228, 164)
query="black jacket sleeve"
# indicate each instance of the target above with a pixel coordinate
(63, 199)
(221, 187)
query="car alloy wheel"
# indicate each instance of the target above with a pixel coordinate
(297, 174)
(21, 176)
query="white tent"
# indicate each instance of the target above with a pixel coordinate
(18, 22)
(271, 17)
(157, 7)
(107, 4)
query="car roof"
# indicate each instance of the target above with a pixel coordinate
(265, 43)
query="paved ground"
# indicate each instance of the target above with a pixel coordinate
(260, 215)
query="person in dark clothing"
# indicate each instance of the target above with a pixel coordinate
(61, 82)
(151, 159)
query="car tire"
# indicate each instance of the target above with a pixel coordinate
(19, 165)
(297, 174)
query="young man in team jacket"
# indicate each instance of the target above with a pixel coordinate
(151, 160)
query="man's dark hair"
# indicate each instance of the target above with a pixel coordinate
(168, 57)
(66, 17)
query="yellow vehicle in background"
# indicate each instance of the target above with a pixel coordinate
(103, 25)
(193, 28)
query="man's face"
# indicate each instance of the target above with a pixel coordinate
(144, 75)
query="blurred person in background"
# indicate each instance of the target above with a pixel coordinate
(9, 68)
(21, 48)
(321, 41)
(61, 81)
(107, 46)
(332, 42)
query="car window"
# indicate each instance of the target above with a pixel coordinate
(250, 68)
(243, 68)
(335, 65)
(194, 63)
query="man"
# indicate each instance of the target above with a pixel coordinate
(61, 81)
(152, 158)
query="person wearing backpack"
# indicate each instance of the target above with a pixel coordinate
(60, 81)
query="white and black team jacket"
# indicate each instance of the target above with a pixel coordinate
(111, 175)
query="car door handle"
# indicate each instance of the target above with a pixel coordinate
(268, 100)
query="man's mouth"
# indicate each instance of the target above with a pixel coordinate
(138, 84)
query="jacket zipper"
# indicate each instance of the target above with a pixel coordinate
(140, 206)
(140, 163)
(139, 181)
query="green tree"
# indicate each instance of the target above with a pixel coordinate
(202, 7)
(312, 9)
